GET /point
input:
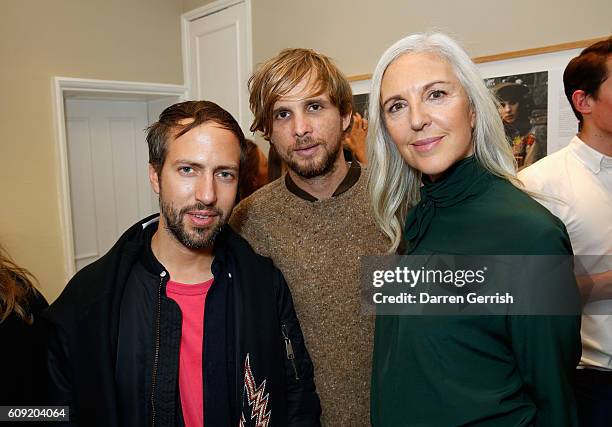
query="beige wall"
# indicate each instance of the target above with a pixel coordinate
(355, 33)
(139, 40)
(189, 5)
(135, 40)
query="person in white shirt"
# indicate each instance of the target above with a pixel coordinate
(575, 184)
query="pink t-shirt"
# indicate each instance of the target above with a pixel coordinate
(191, 300)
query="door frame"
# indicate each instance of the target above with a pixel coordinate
(108, 89)
(205, 10)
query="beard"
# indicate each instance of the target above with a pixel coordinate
(311, 168)
(197, 237)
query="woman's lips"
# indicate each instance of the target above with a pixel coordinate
(426, 144)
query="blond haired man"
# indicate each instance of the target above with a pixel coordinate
(315, 221)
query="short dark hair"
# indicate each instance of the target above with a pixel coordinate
(168, 126)
(587, 72)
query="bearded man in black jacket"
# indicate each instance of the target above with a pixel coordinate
(181, 323)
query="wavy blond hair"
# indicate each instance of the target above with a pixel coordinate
(392, 184)
(279, 75)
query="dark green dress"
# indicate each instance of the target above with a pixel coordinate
(476, 370)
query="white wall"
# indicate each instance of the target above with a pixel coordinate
(355, 33)
(136, 40)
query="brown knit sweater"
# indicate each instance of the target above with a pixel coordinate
(317, 245)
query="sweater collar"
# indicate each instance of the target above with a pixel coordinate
(351, 178)
(463, 180)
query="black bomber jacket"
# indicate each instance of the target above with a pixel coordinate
(256, 368)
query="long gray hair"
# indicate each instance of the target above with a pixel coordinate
(392, 184)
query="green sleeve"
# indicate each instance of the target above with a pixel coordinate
(547, 350)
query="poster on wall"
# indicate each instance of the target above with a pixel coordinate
(523, 108)
(360, 86)
(360, 104)
(547, 124)
(355, 140)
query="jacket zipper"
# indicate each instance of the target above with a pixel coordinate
(289, 350)
(162, 275)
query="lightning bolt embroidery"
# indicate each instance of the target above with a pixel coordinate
(257, 400)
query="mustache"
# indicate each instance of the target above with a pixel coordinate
(201, 207)
(306, 141)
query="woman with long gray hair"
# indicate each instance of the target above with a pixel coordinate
(442, 181)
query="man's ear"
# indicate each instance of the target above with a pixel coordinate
(346, 120)
(153, 178)
(582, 102)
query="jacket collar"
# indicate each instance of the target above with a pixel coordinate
(149, 227)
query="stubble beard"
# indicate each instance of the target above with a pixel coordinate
(314, 167)
(197, 237)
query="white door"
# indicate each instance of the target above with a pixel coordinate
(108, 166)
(218, 60)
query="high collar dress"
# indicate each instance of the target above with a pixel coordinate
(502, 370)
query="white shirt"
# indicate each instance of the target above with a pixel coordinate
(578, 181)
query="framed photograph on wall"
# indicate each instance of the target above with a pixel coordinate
(537, 116)
(360, 85)
(523, 109)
